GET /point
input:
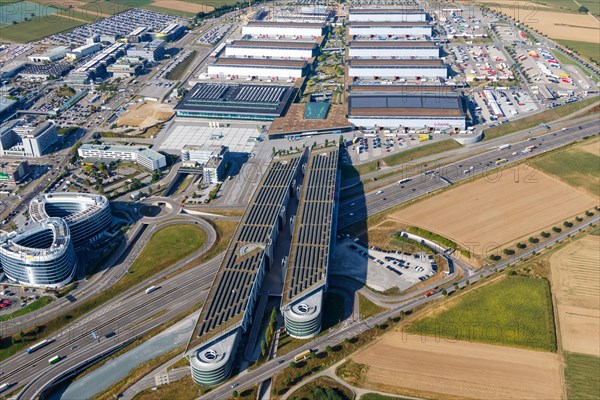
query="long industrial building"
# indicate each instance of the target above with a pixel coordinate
(258, 68)
(397, 68)
(41, 256)
(384, 28)
(235, 101)
(87, 215)
(313, 179)
(393, 106)
(271, 49)
(393, 49)
(312, 247)
(401, 14)
(292, 29)
(227, 312)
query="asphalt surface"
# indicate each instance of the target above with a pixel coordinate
(361, 206)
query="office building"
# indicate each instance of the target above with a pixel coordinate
(22, 140)
(151, 51)
(143, 156)
(14, 172)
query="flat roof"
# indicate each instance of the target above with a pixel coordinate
(220, 98)
(367, 62)
(386, 11)
(251, 62)
(227, 300)
(366, 24)
(391, 43)
(309, 252)
(409, 104)
(400, 88)
(280, 44)
(286, 24)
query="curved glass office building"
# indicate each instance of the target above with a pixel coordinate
(41, 256)
(87, 215)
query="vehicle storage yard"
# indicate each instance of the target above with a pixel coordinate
(575, 281)
(380, 269)
(433, 368)
(474, 214)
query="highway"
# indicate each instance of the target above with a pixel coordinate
(361, 206)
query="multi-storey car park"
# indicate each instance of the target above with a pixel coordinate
(233, 101)
(271, 49)
(312, 246)
(393, 48)
(392, 106)
(397, 68)
(41, 256)
(396, 14)
(87, 215)
(385, 28)
(227, 311)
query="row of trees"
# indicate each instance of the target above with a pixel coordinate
(269, 334)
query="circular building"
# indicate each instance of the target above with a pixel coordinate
(41, 256)
(211, 364)
(87, 215)
(303, 318)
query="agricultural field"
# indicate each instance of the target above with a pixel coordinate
(34, 30)
(590, 50)
(576, 166)
(576, 287)
(474, 214)
(513, 311)
(582, 376)
(431, 368)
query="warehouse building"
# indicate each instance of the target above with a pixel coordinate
(235, 101)
(271, 49)
(11, 69)
(83, 51)
(381, 28)
(143, 156)
(170, 33)
(51, 55)
(275, 28)
(151, 51)
(138, 35)
(402, 14)
(397, 68)
(393, 49)
(393, 106)
(236, 68)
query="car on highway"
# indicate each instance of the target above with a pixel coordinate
(380, 192)
(235, 385)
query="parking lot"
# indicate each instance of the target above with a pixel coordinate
(383, 269)
(240, 138)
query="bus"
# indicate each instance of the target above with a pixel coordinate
(5, 386)
(152, 289)
(402, 181)
(54, 360)
(38, 346)
(303, 356)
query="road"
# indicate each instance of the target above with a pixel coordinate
(360, 206)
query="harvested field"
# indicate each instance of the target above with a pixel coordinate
(425, 367)
(497, 209)
(144, 115)
(576, 283)
(183, 6)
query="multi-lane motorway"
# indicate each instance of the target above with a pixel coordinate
(361, 206)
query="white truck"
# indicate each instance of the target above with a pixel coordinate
(504, 147)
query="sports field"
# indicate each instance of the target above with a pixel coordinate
(513, 311)
(576, 286)
(576, 166)
(441, 369)
(497, 209)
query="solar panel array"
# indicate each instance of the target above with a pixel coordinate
(309, 253)
(209, 91)
(230, 292)
(260, 94)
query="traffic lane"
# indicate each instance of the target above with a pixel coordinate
(394, 193)
(124, 312)
(71, 360)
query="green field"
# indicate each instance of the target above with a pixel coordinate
(515, 311)
(169, 11)
(534, 120)
(367, 308)
(177, 72)
(573, 166)
(166, 247)
(323, 384)
(588, 50)
(582, 376)
(33, 306)
(38, 29)
(421, 151)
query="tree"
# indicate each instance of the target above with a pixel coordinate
(556, 229)
(328, 349)
(445, 292)
(583, 9)
(521, 245)
(545, 234)
(533, 240)
(567, 224)
(508, 252)
(326, 142)
(293, 364)
(235, 394)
